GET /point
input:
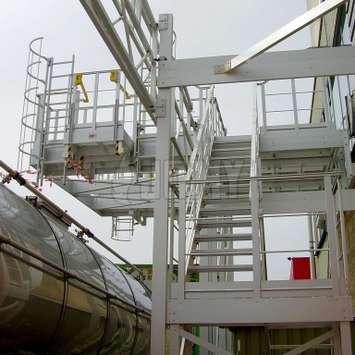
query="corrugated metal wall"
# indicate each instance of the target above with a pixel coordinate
(250, 341)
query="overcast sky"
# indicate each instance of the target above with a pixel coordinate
(203, 27)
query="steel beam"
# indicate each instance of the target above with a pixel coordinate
(223, 290)
(306, 63)
(292, 27)
(249, 312)
(104, 26)
(301, 139)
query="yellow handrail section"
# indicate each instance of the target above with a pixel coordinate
(114, 78)
(79, 82)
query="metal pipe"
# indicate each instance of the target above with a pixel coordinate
(58, 295)
(67, 274)
(61, 213)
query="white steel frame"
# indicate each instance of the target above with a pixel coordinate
(175, 305)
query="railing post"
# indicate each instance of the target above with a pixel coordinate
(182, 242)
(171, 241)
(344, 244)
(96, 93)
(254, 197)
(294, 102)
(263, 105)
(332, 234)
(256, 236)
(311, 247)
(327, 113)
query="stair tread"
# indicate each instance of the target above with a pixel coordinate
(220, 268)
(231, 223)
(223, 237)
(221, 252)
(227, 176)
(229, 166)
(230, 157)
(231, 196)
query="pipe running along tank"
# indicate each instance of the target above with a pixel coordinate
(58, 296)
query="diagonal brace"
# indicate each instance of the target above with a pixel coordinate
(205, 344)
(310, 344)
(294, 26)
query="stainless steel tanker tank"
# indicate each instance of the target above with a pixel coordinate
(58, 296)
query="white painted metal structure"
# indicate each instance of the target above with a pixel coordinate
(174, 161)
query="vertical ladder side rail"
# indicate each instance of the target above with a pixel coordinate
(34, 109)
(255, 198)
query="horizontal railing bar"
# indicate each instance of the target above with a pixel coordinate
(234, 179)
(64, 62)
(292, 251)
(290, 93)
(292, 214)
(299, 109)
(87, 73)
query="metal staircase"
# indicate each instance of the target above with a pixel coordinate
(275, 172)
(225, 217)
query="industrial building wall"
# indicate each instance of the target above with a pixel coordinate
(350, 235)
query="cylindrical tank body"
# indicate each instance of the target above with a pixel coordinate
(43, 310)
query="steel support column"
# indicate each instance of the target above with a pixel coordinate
(345, 334)
(165, 114)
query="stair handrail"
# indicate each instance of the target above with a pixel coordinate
(211, 126)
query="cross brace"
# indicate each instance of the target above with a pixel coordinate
(281, 34)
(310, 344)
(200, 341)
